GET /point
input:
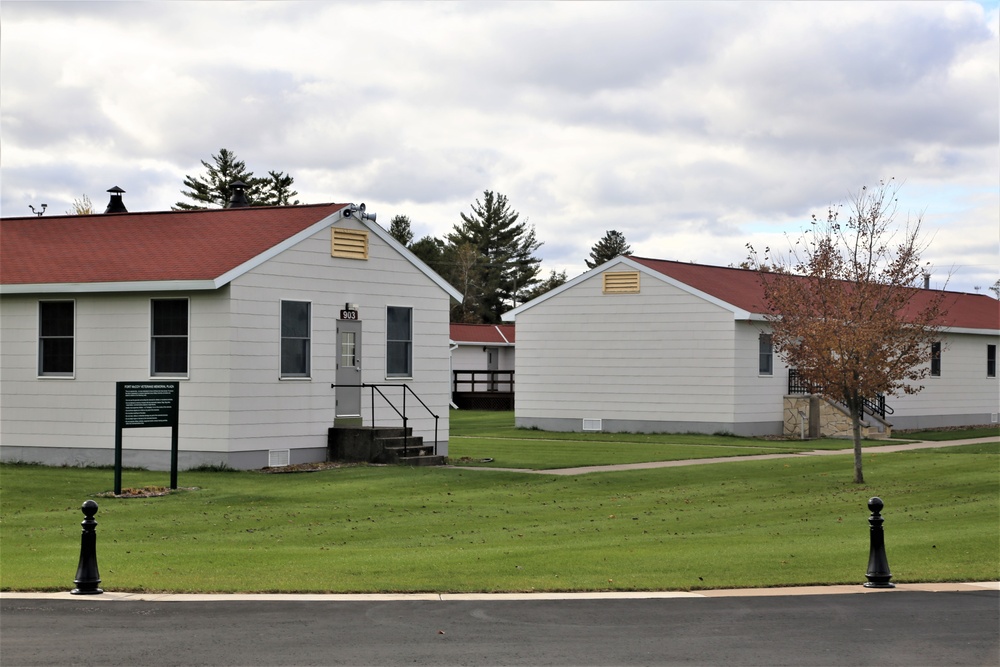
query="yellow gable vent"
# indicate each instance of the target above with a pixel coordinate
(350, 243)
(621, 282)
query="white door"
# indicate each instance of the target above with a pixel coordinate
(348, 368)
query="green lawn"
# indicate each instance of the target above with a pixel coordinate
(387, 528)
(482, 438)
(952, 434)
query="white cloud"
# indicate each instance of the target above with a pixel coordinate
(691, 127)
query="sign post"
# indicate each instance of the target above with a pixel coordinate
(146, 405)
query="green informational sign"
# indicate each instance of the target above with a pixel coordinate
(146, 405)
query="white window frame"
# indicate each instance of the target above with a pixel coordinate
(409, 361)
(308, 338)
(761, 354)
(937, 351)
(187, 337)
(58, 375)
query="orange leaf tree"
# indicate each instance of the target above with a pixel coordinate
(845, 309)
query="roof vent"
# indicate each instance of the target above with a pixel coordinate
(116, 205)
(239, 196)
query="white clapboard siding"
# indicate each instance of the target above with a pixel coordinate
(660, 355)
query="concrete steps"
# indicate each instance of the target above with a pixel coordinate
(380, 444)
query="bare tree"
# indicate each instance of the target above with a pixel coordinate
(82, 206)
(845, 309)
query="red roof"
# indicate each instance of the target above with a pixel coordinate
(139, 247)
(741, 288)
(483, 334)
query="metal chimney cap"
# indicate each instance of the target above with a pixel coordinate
(116, 205)
(239, 197)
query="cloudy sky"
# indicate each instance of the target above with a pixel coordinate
(692, 127)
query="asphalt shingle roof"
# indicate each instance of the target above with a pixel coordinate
(493, 334)
(741, 288)
(138, 247)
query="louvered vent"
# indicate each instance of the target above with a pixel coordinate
(349, 243)
(592, 424)
(621, 282)
(277, 458)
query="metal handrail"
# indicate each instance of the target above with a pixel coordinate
(873, 406)
(406, 388)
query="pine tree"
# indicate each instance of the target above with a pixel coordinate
(399, 229)
(276, 190)
(505, 264)
(609, 247)
(553, 281)
(213, 189)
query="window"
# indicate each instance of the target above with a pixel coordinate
(935, 359)
(55, 338)
(765, 355)
(398, 341)
(991, 361)
(169, 352)
(295, 338)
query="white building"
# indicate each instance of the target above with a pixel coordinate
(256, 311)
(650, 345)
(482, 363)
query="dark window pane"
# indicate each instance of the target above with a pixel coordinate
(991, 361)
(935, 359)
(55, 337)
(397, 358)
(294, 319)
(398, 323)
(56, 318)
(294, 356)
(765, 365)
(57, 355)
(398, 341)
(170, 355)
(170, 317)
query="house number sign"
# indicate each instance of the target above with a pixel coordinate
(348, 314)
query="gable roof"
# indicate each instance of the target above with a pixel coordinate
(740, 291)
(483, 334)
(166, 250)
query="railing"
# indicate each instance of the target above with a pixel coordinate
(798, 385)
(483, 381)
(403, 416)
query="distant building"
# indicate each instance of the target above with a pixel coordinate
(482, 363)
(650, 345)
(255, 311)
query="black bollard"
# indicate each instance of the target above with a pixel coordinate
(87, 576)
(878, 574)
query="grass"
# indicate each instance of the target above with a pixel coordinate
(478, 435)
(951, 434)
(378, 529)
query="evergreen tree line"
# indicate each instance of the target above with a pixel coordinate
(489, 256)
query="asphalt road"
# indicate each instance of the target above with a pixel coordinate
(899, 627)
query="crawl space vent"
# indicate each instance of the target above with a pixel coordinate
(277, 458)
(591, 424)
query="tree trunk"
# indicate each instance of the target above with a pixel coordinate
(856, 415)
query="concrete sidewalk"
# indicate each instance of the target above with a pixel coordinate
(885, 449)
(841, 589)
